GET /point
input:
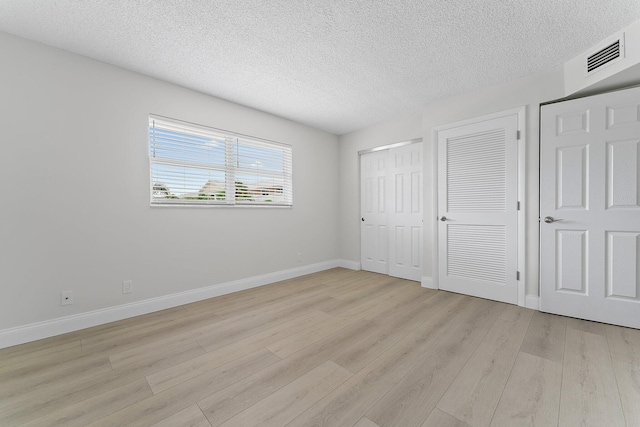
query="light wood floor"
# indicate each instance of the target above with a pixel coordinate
(339, 348)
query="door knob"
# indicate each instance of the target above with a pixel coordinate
(443, 218)
(550, 219)
(362, 219)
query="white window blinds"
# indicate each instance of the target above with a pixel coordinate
(197, 165)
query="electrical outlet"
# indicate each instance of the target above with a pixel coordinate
(299, 257)
(66, 297)
(127, 286)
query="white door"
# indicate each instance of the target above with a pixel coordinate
(391, 211)
(590, 208)
(477, 208)
(405, 213)
(374, 231)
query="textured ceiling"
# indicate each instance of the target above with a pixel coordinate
(337, 65)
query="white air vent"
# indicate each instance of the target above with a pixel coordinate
(604, 56)
(611, 64)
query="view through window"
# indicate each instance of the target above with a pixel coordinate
(197, 165)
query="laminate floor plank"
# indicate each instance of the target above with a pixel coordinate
(336, 306)
(586, 326)
(20, 381)
(589, 394)
(363, 309)
(144, 322)
(545, 336)
(239, 327)
(410, 401)
(208, 361)
(243, 297)
(19, 359)
(384, 303)
(189, 417)
(175, 399)
(396, 304)
(148, 352)
(351, 401)
(437, 418)
(133, 337)
(89, 410)
(55, 396)
(234, 399)
(39, 347)
(283, 405)
(133, 323)
(32, 366)
(364, 297)
(285, 347)
(185, 336)
(353, 286)
(624, 345)
(474, 394)
(277, 296)
(329, 278)
(392, 329)
(532, 394)
(365, 422)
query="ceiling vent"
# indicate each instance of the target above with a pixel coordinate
(604, 56)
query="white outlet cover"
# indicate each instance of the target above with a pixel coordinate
(127, 286)
(66, 297)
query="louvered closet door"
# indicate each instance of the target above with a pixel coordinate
(477, 209)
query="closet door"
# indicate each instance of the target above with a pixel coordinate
(374, 199)
(477, 208)
(405, 212)
(391, 211)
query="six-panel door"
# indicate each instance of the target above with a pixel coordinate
(590, 208)
(391, 211)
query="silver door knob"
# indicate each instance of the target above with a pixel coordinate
(443, 218)
(550, 219)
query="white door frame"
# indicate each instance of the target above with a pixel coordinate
(521, 114)
(381, 148)
(389, 146)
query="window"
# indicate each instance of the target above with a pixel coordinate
(197, 165)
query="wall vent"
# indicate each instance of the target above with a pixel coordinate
(612, 63)
(607, 55)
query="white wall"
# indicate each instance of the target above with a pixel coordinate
(529, 91)
(75, 208)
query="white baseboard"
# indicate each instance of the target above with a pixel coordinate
(533, 302)
(427, 282)
(36, 331)
(351, 265)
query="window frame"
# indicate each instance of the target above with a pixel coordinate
(233, 143)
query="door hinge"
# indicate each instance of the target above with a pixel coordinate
(517, 135)
(518, 205)
(517, 275)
